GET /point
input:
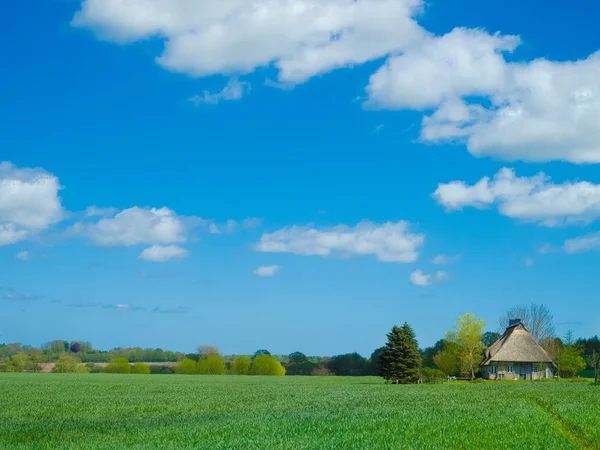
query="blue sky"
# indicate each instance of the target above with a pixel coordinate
(283, 175)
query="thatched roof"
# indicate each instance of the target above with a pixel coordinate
(515, 345)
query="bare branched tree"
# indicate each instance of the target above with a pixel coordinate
(205, 350)
(537, 318)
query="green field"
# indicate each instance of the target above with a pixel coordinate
(136, 411)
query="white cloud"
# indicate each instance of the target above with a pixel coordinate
(136, 225)
(266, 271)
(583, 244)
(389, 242)
(214, 229)
(23, 255)
(234, 90)
(462, 62)
(301, 38)
(29, 202)
(539, 110)
(530, 199)
(422, 279)
(445, 260)
(160, 253)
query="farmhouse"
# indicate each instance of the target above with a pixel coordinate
(516, 356)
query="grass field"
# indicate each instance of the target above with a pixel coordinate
(167, 411)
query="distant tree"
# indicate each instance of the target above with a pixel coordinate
(262, 352)
(570, 360)
(401, 362)
(69, 364)
(193, 356)
(297, 357)
(449, 359)
(348, 365)
(75, 347)
(594, 362)
(431, 375)
(322, 371)
(118, 365)
(468, 334)
(537, 318)
(185, 367)
(35, 359)
(161, 370)
(490, 337)
(241, 365)
(205, 350)
(376, 362)
(18, 362)
(140, 368)
(94, 368)
(266, 365)
(211, 365)
(429, 353)
(66, 346)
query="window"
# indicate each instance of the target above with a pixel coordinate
(536, 369)
(493, 370)
(509, 368)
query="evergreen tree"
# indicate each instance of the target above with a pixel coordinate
(401, 362)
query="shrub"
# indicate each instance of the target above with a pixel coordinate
(241, 365)
(69, 364)
(185, 367)
(161, 370)
(321, 371)
(94, 368)
(266, 365)
(301, 368)
(140, 369)
(431, 375)
(212, 365)
(118, 365)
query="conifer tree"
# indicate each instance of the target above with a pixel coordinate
(401, 361)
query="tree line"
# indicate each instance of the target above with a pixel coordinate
(458, 353)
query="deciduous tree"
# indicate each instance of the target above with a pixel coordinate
(118, 365)
(537, 318)
(140, 368)
(266, 365)
(468, 334)
(241, 365)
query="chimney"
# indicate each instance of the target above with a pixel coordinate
(513, 322)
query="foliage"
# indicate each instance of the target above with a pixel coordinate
(428, 354)
(305, 368)
(322, 371)
(448, 360)
(430, 375)
(58, 412)
(489, 337)
(118, 365)
(468, 334)
(161, 370)
(376, 362)
(401, 362)
(537, 318)
(69, 364)
(241, 365)
(594, 362)
(297, 357)
(213, 364)
(205, 350)
(571, 361)
(349, 365)
(140, 368)
(262, 351)
(94, 368)
(185, 367)
(266, 365)
(75, 348)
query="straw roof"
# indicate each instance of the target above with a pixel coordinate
(515, 345)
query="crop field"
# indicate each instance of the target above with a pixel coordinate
(167, 411)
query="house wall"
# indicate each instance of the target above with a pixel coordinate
(520, 371)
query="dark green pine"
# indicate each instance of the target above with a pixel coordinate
(401, 362)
